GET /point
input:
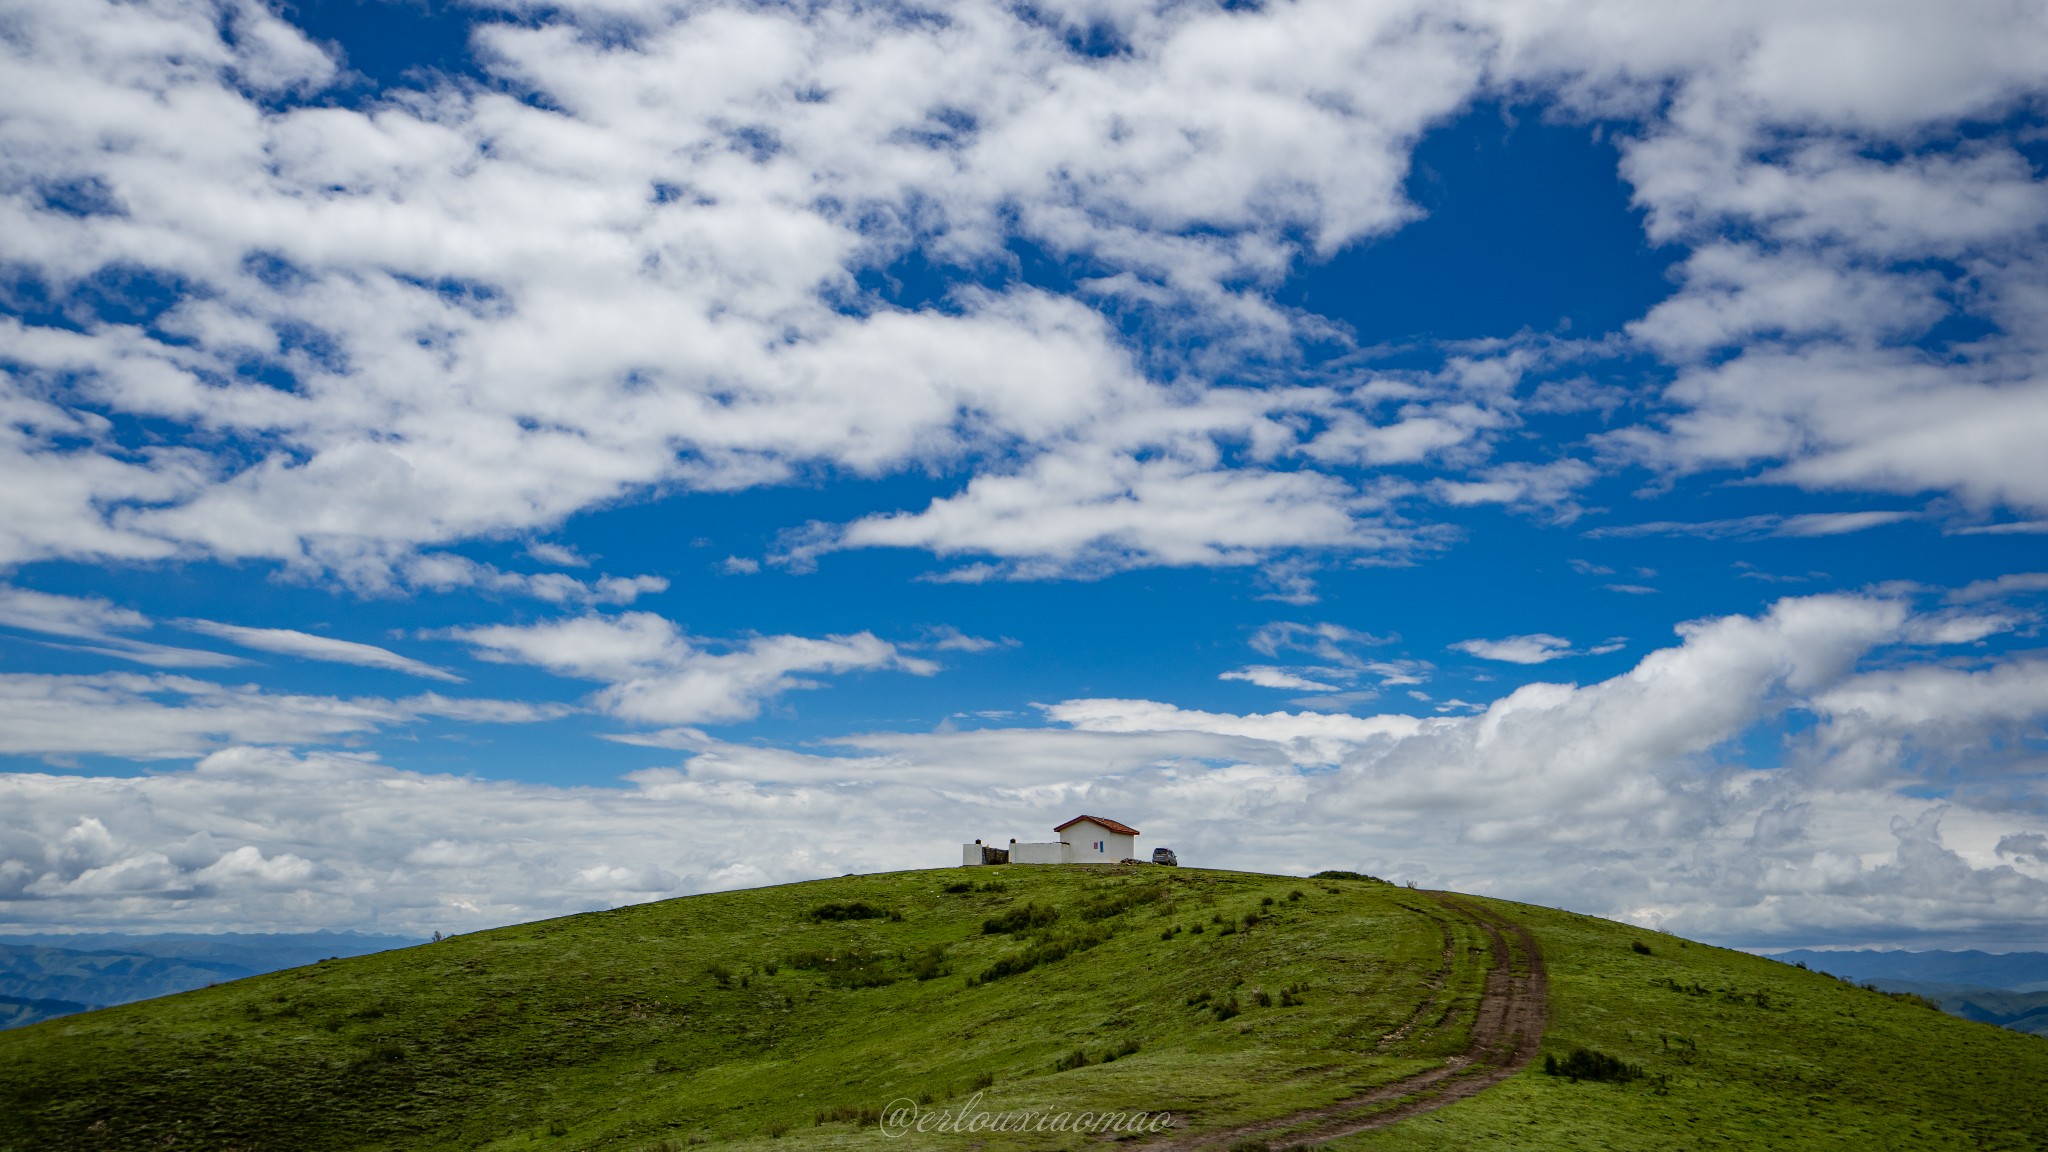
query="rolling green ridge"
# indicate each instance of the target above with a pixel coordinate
(112, 968)
(788, 1017)
(18, 1010)
(2019, 1011)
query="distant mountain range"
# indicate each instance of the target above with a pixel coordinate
(2007, 989)
(42, 976)
(2012, 971)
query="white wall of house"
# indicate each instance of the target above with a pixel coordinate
(1082, 842)
(1091, 843)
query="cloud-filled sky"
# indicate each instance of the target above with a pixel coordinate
(471, 461)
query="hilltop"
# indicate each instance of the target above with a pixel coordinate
(1255, 1009)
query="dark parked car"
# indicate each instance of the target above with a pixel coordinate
(1165, 856)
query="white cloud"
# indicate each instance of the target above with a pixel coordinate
(1267, 676)
(559, 554)
(1999, 587)
(441, 571)
(95, 620)
(86, 617)
(162, 717)
(306, 646)
(655, 674)
(1628, 797)
(1535, 648)
(1070, 515)
(499, 312)
(1329, 642)
(1339, 668)
(947, 638)
(1308, 738)
(1749, 527)
(1547, 488)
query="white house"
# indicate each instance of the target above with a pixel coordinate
(1082, 840)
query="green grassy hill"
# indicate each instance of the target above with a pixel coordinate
(790, 1017)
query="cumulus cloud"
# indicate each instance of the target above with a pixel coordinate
(2026, 845)
(638, 258)
(656, 674)
(1627, 797)
(633, 263)
(1068, 516)
(498, 311)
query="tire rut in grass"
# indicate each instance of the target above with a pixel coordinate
(1506, 1034)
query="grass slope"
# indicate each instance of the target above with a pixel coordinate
(774, 1018)
(1740, 1051)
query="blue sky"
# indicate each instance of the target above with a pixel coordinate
(473, 462)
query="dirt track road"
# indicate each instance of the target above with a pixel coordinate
(1505, 1037)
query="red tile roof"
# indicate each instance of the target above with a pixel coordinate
(1112, 825)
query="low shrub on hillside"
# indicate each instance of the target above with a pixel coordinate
(1639, 948)
(1103, 907)
(848, 968)
(1587, 1064)
(1341, 874)
(861, 1117)
(1044, 952)
(1020, 920)
(928, 964)
(856, 910)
